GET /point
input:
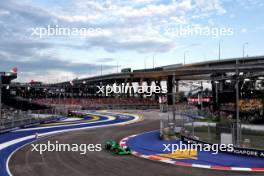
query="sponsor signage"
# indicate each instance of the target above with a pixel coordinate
(195, 100)
(237, 150)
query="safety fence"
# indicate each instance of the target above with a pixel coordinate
(202, 125)
(23, 119)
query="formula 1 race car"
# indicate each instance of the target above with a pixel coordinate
(114, 147)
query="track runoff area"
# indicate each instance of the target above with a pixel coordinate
(13, 141)
(149, 146)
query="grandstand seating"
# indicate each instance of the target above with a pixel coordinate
(95, 102)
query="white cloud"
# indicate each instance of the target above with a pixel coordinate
(4, 12)
(250, 3)
(48, 77)
(135, 26)
(244, 31)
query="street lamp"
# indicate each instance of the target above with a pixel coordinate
(219, 49)
(101, 68)
(117, 66)
(1, 99)
(237, 104)
(153, 61)
(184, 56)
(237, 97)
(216, 92)
(244, 46)
(145, 63)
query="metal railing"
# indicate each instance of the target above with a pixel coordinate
(23, 119)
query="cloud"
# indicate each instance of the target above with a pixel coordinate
(250, 3)
(42, 64)
(139, 45)
(105, 60)
(117, 17)
(260, 27)
(133, 26)
(20, 49)
(46, 64)
(244, 31)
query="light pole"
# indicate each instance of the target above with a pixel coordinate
(101, 70)
(0, 99)
(184, 56)
(117, 66)
(173, 100)
(244, 46)
(237, 104)
(153, 61)
(216, 99)
(201, 96)
(237, 97)
(219, 49)
(145, 63)
(216, 92)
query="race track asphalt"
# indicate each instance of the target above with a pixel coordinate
(25, 162)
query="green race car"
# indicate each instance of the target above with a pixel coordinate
(114, 147)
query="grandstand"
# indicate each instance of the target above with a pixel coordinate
(16, 111)
(99, 103)
(5, 79)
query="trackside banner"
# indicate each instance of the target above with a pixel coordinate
(237, 150)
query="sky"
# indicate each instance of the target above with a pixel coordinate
(109, 35)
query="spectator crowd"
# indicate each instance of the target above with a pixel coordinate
(96, 102)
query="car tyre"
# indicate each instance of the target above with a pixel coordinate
(107, 146)
(116, 151)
